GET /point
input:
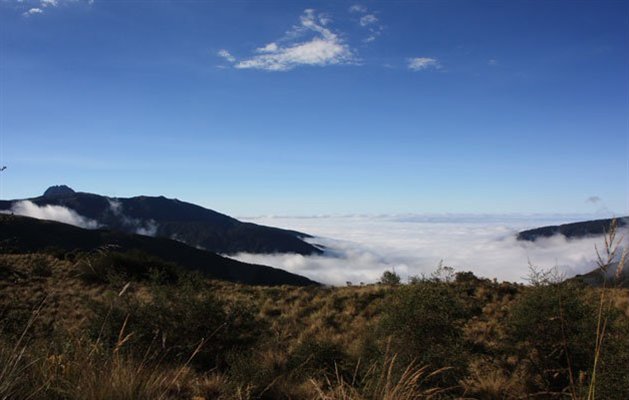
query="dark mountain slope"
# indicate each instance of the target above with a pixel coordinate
(22, 235)
(572, 231)
(610, 278)
(171, 218)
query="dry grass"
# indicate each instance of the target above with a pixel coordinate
(15, 367)
(381, 382)
(77, 368)
(491, 382)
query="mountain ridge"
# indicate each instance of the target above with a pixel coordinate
(20, 234)
(573, 230)
(175, 219)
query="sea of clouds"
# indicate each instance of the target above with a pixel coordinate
(364, 246)
(359, 248)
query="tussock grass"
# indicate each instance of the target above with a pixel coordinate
(136, 334)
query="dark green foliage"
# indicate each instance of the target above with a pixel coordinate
(6, 270)
(466, 277)
(318, 357)
(108, 266)
(176, 321)
(14, 318)
(41, 268)
(423, 322)
(612, 377)
(390, 278)
(556, 330)
(246, 369)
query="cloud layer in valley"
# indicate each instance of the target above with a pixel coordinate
(365, 246)
(53, 213)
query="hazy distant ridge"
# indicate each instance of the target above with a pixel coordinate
(572, 230)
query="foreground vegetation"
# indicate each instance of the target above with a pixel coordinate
(113, 325)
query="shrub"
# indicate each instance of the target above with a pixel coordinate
(424, 323)
(41, 267)
(556, 332)
(176, 320)
(390, 278)
(314, 357)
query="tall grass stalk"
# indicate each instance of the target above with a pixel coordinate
(381, 382)
(605, 262)
(15, 367)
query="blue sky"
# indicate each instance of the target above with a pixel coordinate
(293, 108)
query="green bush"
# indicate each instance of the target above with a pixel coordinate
(390, 278)
(314, 357)
(423, 323)
(555, 331)
(175, 321)
(612, 380)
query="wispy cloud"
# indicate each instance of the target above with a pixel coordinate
(226, 55)
(311, 43)
(39, 7)
(367, 20)
(358, 8)
(141, 227)
(53, 213)
(422, 63)
(33, 11)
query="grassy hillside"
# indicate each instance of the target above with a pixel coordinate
(71, 333)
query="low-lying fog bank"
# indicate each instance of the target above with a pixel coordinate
(364, 246)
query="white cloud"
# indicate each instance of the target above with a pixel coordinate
(486, 245)
(492, 62)
(368, 20)
(226, 55)
(310, 43)
(34, 7)
(357, 8)
(421, 63)
(269, 48)
(54, 213)
(33, 11)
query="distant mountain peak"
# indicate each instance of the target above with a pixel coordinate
(58, 191)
